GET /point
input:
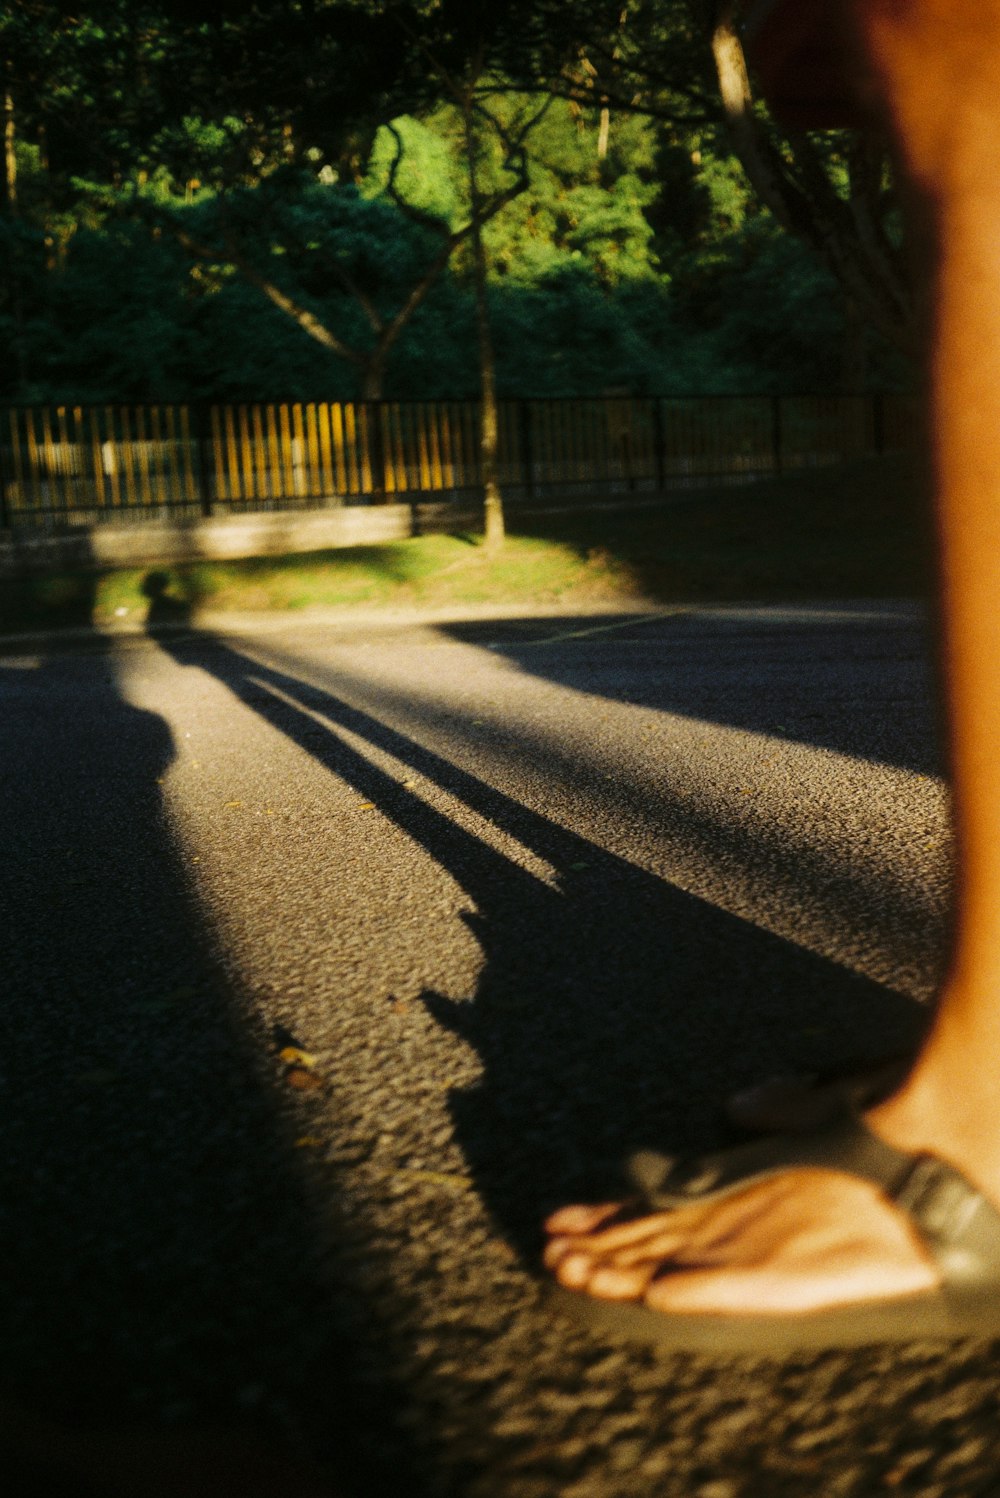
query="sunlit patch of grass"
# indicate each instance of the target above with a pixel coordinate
(850, 532)
(426, 571)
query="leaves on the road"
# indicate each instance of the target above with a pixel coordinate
(293, 1055)
(452, 1181)
(300, 1065)
(304, 1080)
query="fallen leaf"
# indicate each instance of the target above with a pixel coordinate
(366, 805)
(302, 1080)
(438, 1178)
(293, 1055)
(233, 803)
(407, 783)
(399, 1006)
(309, 1142)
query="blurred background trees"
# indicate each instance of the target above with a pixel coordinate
(273, 201)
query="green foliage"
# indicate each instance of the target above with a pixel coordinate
(316, 148)
(412, 161)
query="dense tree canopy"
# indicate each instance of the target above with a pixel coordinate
(273, 200)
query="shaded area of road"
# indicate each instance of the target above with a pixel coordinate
(800, 673)
(160, 1262)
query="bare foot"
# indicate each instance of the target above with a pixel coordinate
(805, 1240)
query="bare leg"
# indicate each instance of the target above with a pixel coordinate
(809, 1239)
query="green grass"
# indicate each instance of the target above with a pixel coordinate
(856, 531)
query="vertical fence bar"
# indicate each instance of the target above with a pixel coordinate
(777, 435)
(234, 489)
(878, 423)
(342, 468)
(353, 467)
(183, 422)
(260, 454)
(96, 458)
(127, 452)
(142, 448)
(218, 449)
(437, 471)
(524, 442)
(328, 487)
(659, 453)
(275, 487)
(4, 511)
(206, 449)
(15, 444)
(366, 471)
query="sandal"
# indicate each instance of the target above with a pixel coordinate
(959, 1227)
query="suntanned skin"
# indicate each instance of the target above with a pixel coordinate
(809, 1239)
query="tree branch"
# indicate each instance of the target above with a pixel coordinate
(813, 211)
(231, 255)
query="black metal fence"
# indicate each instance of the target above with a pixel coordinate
(66, 465)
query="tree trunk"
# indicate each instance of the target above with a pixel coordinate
(493, 519)
(14, 265)
(854, 357)
(808, 205)
(9, 154)
(371, 393)
(604, 133)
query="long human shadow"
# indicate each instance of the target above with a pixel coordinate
(612, 1009)
(845, 677)
(157, 1245)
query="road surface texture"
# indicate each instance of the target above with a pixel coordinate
(526, 893)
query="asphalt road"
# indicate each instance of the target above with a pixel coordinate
(527, 893)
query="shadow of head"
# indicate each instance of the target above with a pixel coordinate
(164, 607)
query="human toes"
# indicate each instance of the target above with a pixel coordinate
(607, 1279)
(580, 1218)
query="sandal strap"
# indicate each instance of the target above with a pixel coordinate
(847, 1144)
(959, 1226)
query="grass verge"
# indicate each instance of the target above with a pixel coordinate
(856, 531)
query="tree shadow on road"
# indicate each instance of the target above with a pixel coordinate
(855, 679)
